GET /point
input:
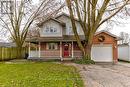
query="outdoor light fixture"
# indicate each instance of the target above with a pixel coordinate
(101, 38)
(66, 44)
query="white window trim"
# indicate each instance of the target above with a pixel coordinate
(49, 28)
(52, 44)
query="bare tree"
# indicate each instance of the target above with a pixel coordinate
(22, 15)
(92, 14)
(125, 38)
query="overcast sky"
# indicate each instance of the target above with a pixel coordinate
(123, 27)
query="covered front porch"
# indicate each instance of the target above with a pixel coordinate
(63, 50)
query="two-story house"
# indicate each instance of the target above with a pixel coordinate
(57, 41)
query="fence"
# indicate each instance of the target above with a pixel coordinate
(11, 53)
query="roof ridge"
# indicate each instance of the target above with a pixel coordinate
(109, 33)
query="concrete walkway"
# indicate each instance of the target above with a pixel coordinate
(105, 75)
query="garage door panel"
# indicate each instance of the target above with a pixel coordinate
(102, 53)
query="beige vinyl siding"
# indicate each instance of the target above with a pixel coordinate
(67, 21)
(55, 26)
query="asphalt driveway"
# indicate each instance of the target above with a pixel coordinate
(105, 75)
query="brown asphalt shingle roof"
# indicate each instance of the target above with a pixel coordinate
(64, 38)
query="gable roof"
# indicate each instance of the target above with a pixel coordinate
(104, 31)
(66, 15)
(53, 39)
(56, 20)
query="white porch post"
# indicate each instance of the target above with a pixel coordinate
(61, 51)
(29, 49)
(39, 49)
(72, 50)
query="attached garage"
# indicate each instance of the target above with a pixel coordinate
(104, 47)
(102, 53)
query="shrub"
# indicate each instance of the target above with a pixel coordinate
(83, 61)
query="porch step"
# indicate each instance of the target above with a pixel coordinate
(67, 59)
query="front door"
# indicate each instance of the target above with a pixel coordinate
(66, 50)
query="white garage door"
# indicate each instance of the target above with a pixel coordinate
(102, 53)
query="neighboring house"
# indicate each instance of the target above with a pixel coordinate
(125, 38)
(57, 41)
(6, 6)
(124, 52)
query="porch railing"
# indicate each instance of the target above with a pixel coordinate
(50, 53)
(78, 53)
(34, 54)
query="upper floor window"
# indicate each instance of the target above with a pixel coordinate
(55, 30)
(51, 30)
(47, 29)
(70, 30)
(6, 7)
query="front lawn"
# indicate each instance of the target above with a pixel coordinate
(38, 74)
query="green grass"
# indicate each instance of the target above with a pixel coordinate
(38, 74)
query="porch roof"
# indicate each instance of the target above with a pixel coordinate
(45, 39)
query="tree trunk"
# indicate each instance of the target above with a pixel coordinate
(19, 52)
(87, 53)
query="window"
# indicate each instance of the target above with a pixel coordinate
(70, 30)
(55, 30)
(50, 29)
(6, 7)
(47, 29)
(52, 46)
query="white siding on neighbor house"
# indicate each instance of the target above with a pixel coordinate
(102, 53)
(123, 52)
(53, 24)
(67, 21)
